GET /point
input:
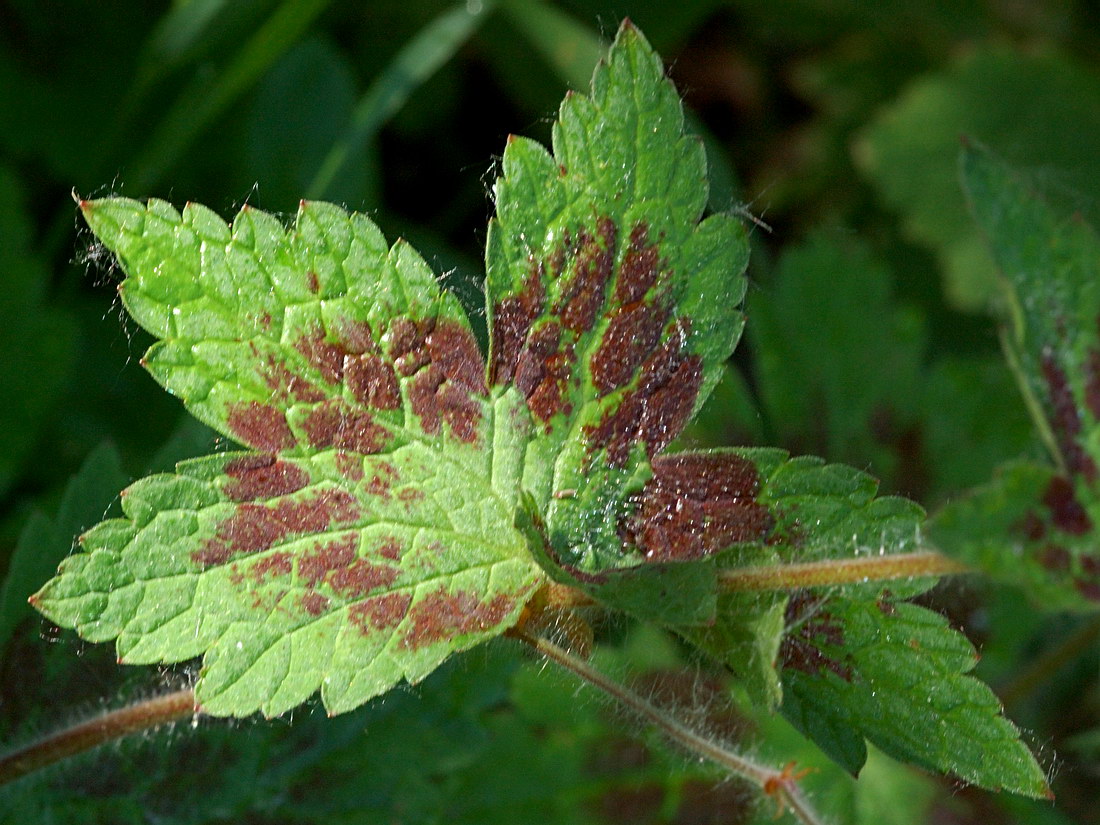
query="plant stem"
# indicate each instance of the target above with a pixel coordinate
(1052, 660)
(838, 571)
(777, 783)
(99, 730)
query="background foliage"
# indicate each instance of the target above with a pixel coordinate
(870, 340)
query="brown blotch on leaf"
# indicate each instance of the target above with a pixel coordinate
(656, 410)
(277, 564)
(327, 557)
(381, 482)
(408, 344)
(313, 283)
(441, 616)
(335, 424)
(389, 548)
(284, 384)
(1092, 382)
(1089, 589)
(262, 476)
(1030, 526)
(356, 337)
(594, 258)
(453, 348)
(543, 372)
(327, 358)
(1055, 558)
(640, 267)
(361, 577)
(379, 612)
(254, 528)
(313, 603)
(434, 399)
(813, 628)
(1065, 420)
(512, 318)
(630, 337)
(372, 381)
(260, 426)
(695, 505)
(407, 495)
(1066, 511)
(349, 465)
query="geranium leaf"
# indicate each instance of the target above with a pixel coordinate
(371, 533)
(612, 305)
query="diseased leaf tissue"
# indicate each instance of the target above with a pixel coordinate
(403, 497)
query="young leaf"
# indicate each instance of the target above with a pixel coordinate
(611, 305)
(371, 533)
(895, 674)
(1034, 526)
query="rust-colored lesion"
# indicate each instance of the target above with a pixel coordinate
(695, 505)
(262, 476)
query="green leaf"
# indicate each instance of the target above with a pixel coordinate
(1022, 104)
(1034, 526)
(371, 535)
(895, 674)
(611, 305)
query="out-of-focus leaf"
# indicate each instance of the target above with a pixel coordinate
(1023, 106)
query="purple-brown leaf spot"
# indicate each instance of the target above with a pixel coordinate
(407, 344)
(361, 577)
(1054, 558)
(512, 318)
(410, 495)
(356, 337)
(657, 409)
(313, 603)
(594, 258)
(254, 528)
(453, 348)
(260, 426)
(379, 612)
(325, 357)
(335, 424)
(531, 363)
(327, 557)
(389, 548)
(434, 399)
(1065, 421)
(1030, 526)
(381, 482)
(813, 627)
(372, 382)
(695, 505)
(284, 384)
(630, 337)
(349, 465)
(262, 476)
(1066, 511)
(313, 283)
(640, 267)
(441, 616)
(272, 566)
(1089, 589)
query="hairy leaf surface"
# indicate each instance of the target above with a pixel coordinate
(895, 674)
(612, 305)
(370, 534)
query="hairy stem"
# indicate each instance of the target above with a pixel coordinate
(99, 730)
(838, 571)
(780, 784)
(1050, 662)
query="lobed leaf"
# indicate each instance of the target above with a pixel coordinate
(611, 305)
(371, 534)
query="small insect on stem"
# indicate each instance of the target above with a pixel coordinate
(782, 788)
